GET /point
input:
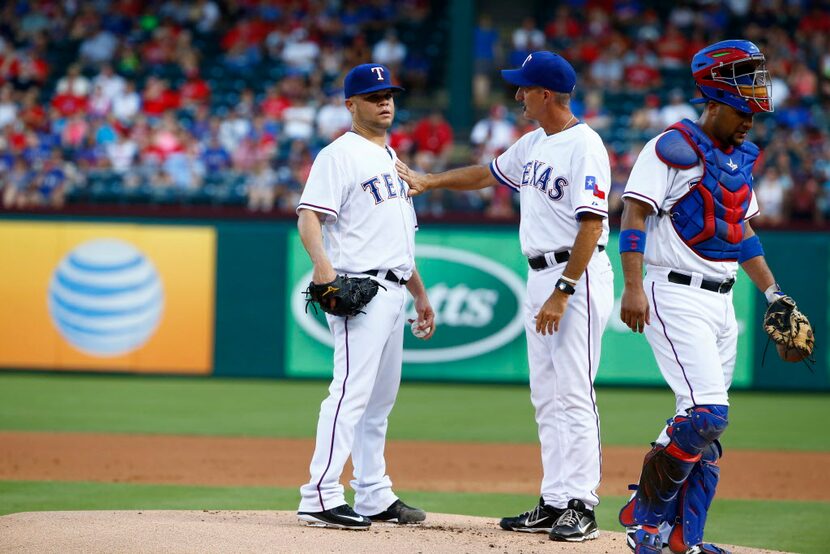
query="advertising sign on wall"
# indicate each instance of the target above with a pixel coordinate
(476, 284)
(109, 297)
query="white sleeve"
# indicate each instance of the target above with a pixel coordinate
(753, 209)
(649, 179)
(508, 168)
(324, 190)
(591, 181)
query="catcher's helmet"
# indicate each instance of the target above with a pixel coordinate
(733, 72)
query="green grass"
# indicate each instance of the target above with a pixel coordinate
(444, 412)
(791, 526)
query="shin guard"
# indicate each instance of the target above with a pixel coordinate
(694, 500)
(665, 469)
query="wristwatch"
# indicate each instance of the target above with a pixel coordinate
(565, 287)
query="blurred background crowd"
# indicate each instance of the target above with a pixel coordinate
(226, 103)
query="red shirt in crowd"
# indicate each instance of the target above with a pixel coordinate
(157, 104)
(273, 106)
(641, 76)
(432, 136)
(68, 104)
(195, 90)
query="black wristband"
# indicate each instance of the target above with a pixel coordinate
(565, 287)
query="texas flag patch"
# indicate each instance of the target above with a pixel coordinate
(591, 184)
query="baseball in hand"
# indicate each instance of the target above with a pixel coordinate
(417, 331)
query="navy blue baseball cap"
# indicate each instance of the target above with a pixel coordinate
(368, 77)
(543, 69)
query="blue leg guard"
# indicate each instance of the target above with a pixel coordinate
(666, 469)
(694, 500)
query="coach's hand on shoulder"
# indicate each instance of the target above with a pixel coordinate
(417, 181)
(548, 318)
(634, 310)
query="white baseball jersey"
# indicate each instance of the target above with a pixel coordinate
(370, 221)
(558, 177)
(660, 186)
(370, 224)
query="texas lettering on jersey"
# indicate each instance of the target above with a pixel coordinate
(538, 175)
(373, 187)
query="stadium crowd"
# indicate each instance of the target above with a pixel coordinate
(227, 103)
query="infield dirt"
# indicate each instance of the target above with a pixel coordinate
(414, 465)
(249, 531)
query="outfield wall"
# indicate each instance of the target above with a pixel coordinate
(218, 297)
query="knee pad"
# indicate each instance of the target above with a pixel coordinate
(694, 500)
(693, 433)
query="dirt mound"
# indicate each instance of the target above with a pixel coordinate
(258, 531)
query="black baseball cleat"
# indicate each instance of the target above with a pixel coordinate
(538, 520)
(576, 524)
(341, 517)
(399, 512)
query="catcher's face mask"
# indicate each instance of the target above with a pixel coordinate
(733, 72)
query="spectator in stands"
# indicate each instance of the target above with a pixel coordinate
(215, 157)
(32, 112)
(640, 72)
(194, 90)
(433, 142)
(205, 14)
(8, 105)
(184, 167)
(492, 135)
(677, 109)
(276, 101)
(607, 71)
(770, 194)
(158, 98)
(672, 49)
(110, 82)
(300, 53)
(261, 187)
(75, 132)
(73, 83)
(333, 118)
(16, 192)
(98, 104)
(485, 50)
(51, 183)
(389, 51)
(98, 48)
(126, 105)
(646, 119)
(803, 205)
(298, 120)
(595, 114)
(803, 82)
(122, 153)
(526, 39)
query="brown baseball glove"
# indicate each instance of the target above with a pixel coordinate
(790, 330)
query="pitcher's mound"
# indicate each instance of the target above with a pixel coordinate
(260, 531)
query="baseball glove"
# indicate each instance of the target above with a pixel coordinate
(344, 297)
(789, 329)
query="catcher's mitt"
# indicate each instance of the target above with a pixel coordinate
(790, 330)
(344, 297)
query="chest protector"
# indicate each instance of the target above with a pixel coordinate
(710, 217)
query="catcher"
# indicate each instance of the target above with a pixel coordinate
(686, 220)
